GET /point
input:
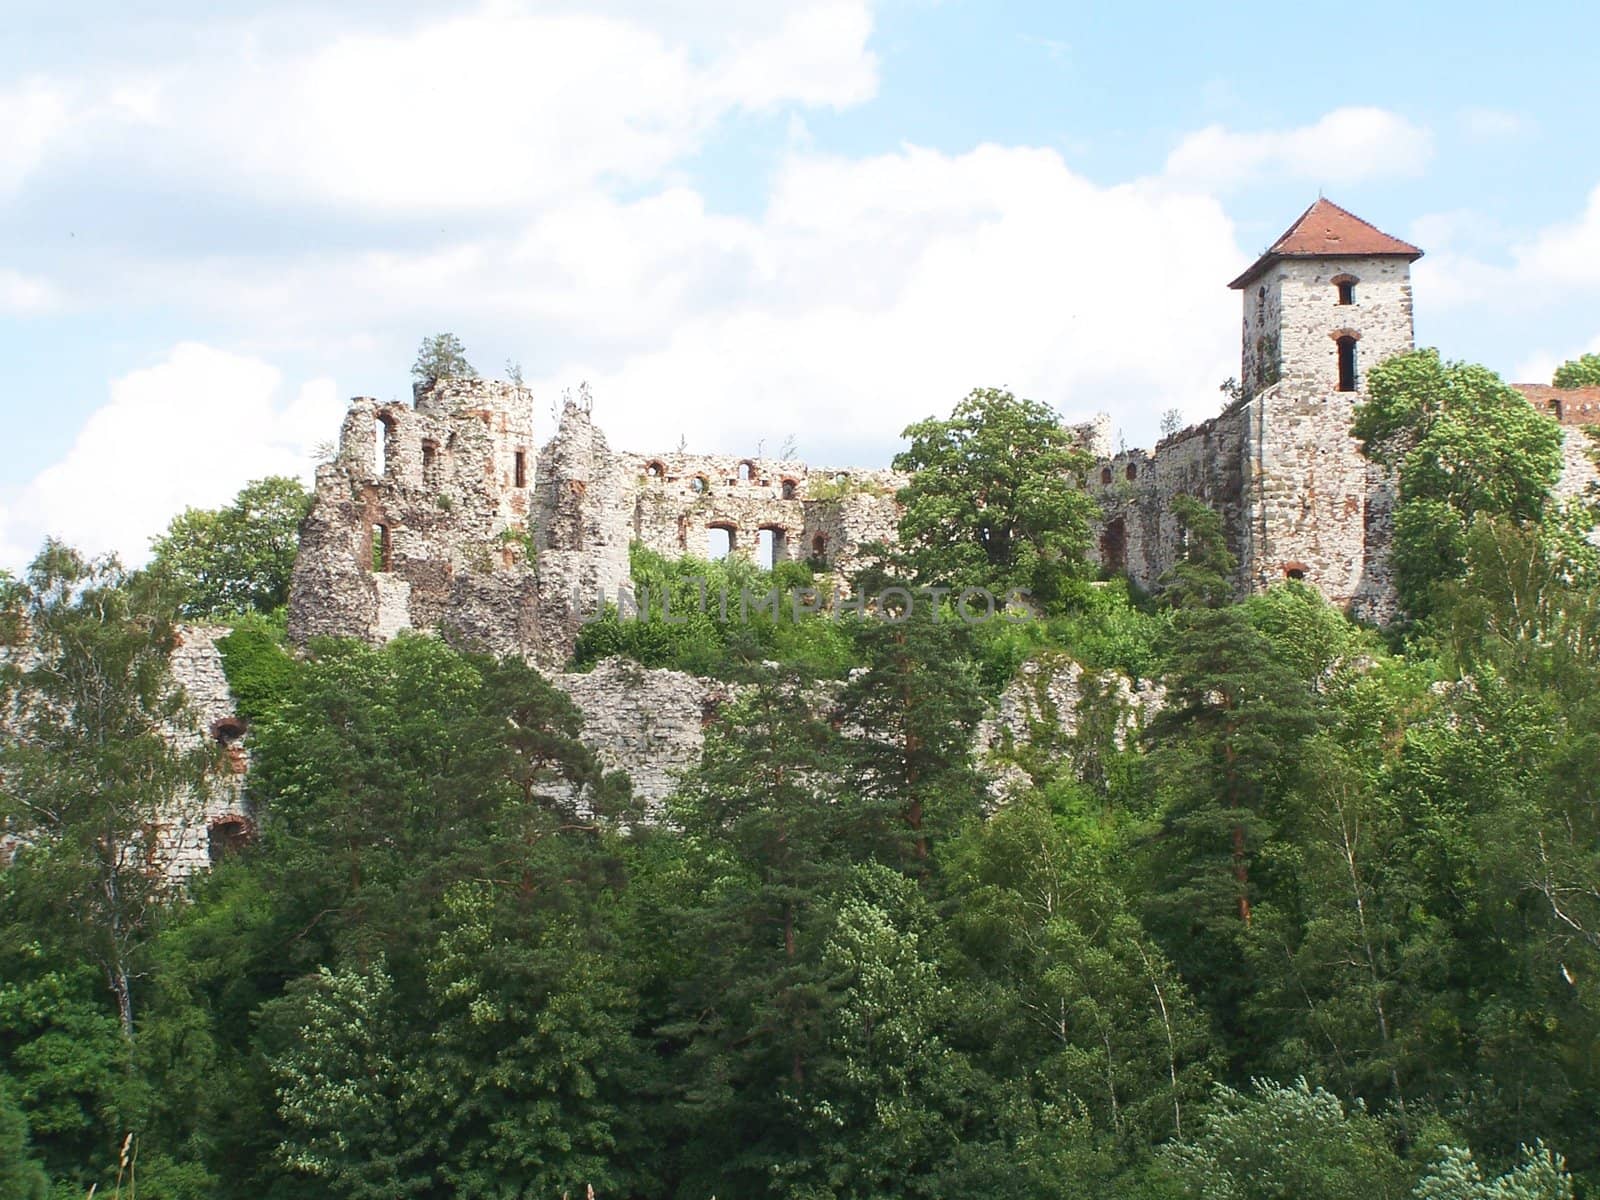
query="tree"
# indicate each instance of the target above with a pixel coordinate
(22, 1176)
(442, 356)
(1463, 443)
(236, 559)
(1285, 1140)
(92, 759)
(995, 499)
(1583, 371)
(1224, 750)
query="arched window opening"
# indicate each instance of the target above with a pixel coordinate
(1346, 286)
(819, 548)
(791, 488)
(655, 469)
(383, 444)
(719, 541)
(1131, 473)
(1105, 476)
(227, 730)
(1347, 363)
(382, 548)
(766, 549)
(1114, 546)
(699, 484)
(519, 469)
(1295, 571)
(430, 463)
(747, 471)
(227, 835)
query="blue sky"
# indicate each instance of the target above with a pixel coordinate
(738, 222)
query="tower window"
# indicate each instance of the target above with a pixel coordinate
(1347, 289)
(520, 469)
(1105, 476)
(1347, 363)
(1132, 472)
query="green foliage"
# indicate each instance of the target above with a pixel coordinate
(995, 499)
(442, 356)
(719, 619)
(458, 963)
(22, 1176)
(236, 559)
(1465, 444)
(1583, 371)
(1286, 1140)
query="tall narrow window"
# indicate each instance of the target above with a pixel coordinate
(1347, 363)
(1347, 290)
(382, 549)
(521, 469)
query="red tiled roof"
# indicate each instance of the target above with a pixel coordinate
(1327, 231)
(1570, 406)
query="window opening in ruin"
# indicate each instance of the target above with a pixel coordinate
(766, 550)
(841, 478)
(1347, 289)
(1114, 546)
(719, 542)
(1295, 571)
(698, 484)
(520, 469)
(655, 469)
(228, 730)
(1105, 475)
(1132, 473)
(383, 437)
(747, 471)
(1555, 409)
(819, 547)
(1347, 363)
(226, 836)
(790, 487)
(430, 462)
(382, 548)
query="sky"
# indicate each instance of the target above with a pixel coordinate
(738, 222)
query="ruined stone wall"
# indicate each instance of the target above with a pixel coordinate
(821, 516)
(645, 721)
(1580, 476)
(196, 827)
(431, 529)
(1057, 713)
(1138, 533)
(185, 834)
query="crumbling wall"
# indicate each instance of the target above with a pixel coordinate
(421, 520)
(648, 722)
(1138, 532)
(197, 827)
(1055, 713)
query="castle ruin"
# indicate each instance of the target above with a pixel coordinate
(436, 514)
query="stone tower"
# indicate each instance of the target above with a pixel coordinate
(1330, 298)
(1328, 301)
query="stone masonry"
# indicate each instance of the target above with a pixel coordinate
(439, 516)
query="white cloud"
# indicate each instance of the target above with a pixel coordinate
(188, 431)
(32, 116)
(491, 110)
(1345, 146)
(1567, 254)
(24, 295)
